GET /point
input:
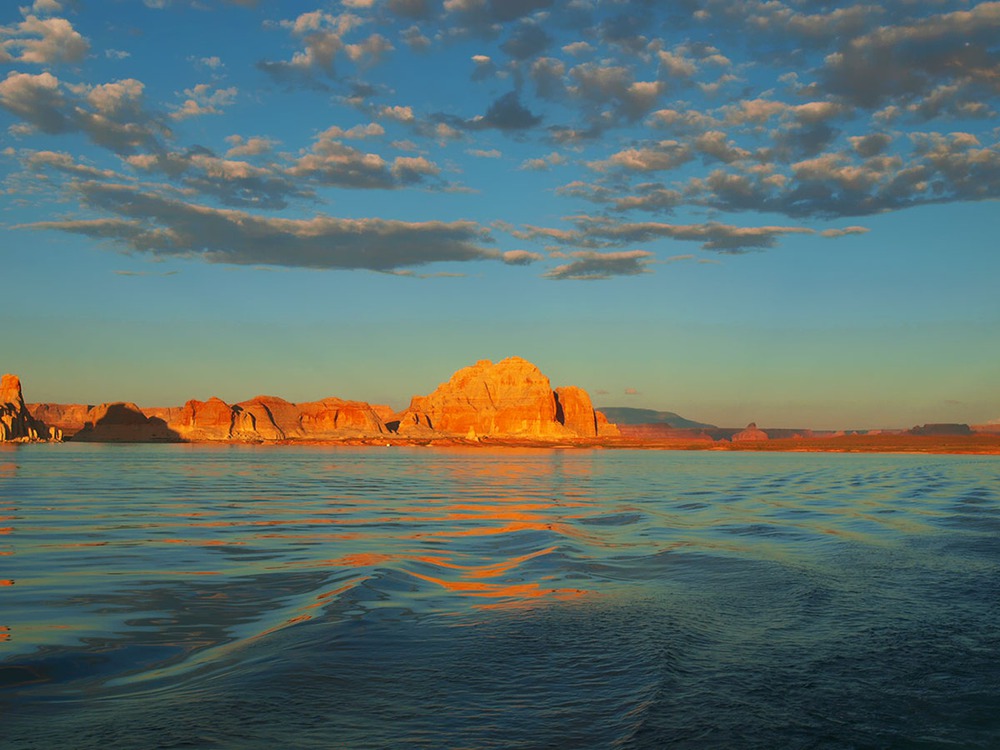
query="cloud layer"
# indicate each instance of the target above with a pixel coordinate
(606, 132)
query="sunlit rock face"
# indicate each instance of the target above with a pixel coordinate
(204, 420)
(16, 422)
(750, 434)
(511, 398)
(268, 418)
(334, 416)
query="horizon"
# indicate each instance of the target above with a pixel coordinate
(737, 212)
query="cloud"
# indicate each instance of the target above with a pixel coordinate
(578, 49)
(253, 146)
(415, 39)
(655, 157)
(490, 153)
(588, 265)
(203, 101)
(231, 181)
(520, 257)
(528, 40)
(506, 114)
(42, 41)
(481, 15)
(323, 39)
(484, 67)
(632, 392)
(151, 223)
(333, 163)
(843, 232)
(601, 232)
(544, 163)
(599, 86)
(112, 115)
(899, 62)
(370, 130)
(65, 163)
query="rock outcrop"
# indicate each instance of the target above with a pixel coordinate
(204, 420)
(334, 416)
(511, 398)
(16, 422)
(65, 418)
(268, 418)
(750, 434)
(123, 422)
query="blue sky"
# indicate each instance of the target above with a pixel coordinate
(774, 211)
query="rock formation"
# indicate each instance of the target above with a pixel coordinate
(268, 418)
(334, 416)
(204, 420)
(65, 418)
(511, 398)
(123, 422)
(16, 422)
(750, 434)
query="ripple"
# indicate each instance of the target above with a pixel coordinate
(239, 596)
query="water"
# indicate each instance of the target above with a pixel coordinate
(270, 597)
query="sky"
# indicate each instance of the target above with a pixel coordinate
(781, 211)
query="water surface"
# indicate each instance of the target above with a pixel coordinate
(313, 597)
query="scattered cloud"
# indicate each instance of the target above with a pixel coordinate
(544, 163)
(798, 110)
(152, 223)
(201, 100)
(42, 41)
(589, 265)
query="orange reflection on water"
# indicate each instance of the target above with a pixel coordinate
(514, 591)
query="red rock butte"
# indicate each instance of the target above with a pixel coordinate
(511, 398)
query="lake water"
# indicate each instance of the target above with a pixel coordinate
(312, 597)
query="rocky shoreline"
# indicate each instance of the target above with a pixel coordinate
(508, 404)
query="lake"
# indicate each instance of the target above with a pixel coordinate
(169, 596)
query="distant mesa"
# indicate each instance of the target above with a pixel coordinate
(509, 399)
(750, 435)
(626, 415)
(17, 424)
(942, 429)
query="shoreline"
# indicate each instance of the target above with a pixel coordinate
(986, 444)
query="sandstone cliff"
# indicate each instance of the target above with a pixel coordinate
(67, 418)
(16, 422)
(511, 398)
